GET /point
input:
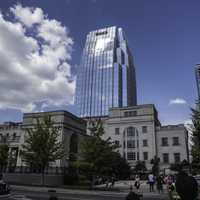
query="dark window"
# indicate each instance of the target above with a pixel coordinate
(130, 131)
(131, 144)
(165, 157)
(177, 157)
(117, 142)
(145, 155)
(131, 156)
(130, 113)
(124, 144)
(145, 143)
(138, 156)
(144, 129)
(164, 141)
(175, 141)
(116, 131)
(102, 33)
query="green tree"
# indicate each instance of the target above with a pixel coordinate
(196, 138)
(140, 166)
(120, 167)
(155, 165)
(96, 154)
(72, 173)
(180, 166)
(42, 145)
(4, 154)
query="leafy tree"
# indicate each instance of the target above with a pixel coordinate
(140, 166)
(155, 168)
(196, 138)
(97, 154)
(72, 174)
(180, 166)
(42, 145)
(3, 156)
(120, 167)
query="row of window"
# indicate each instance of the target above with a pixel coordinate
(131, 143)
(175, 141)
(177, 157)
(131, 131)
(132, 156)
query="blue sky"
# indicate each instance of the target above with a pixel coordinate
(163, 36)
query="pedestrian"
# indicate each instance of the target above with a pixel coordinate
(137, 182)
(186, 186)
(132, 195)
(159, 182)
(112, 182)
(151, 181)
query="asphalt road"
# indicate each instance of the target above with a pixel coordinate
(33, 195)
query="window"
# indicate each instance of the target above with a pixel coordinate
(130, 113)
(131, 144)
(177, 157)
(165, 157)
(116, 131)
(117, 142)
(144, 129)
(131, 156)
(145, 155)
(175, 141)
(124, 144)
(130, 131)
(164, 141)
(14, 136)
(138, 156)
(145, 143)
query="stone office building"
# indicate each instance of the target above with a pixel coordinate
(69, 126)
(140, 135)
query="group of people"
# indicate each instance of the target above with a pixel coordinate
(182, 186)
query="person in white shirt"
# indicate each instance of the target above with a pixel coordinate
(151, 181)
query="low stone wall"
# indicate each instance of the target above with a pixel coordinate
(33, 179)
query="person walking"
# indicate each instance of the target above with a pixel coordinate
(159, 182)
(186, 186)
(151, 181)
(137, 182)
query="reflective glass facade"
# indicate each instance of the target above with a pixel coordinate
(197, 72)
(106, 76)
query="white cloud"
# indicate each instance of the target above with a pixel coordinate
(28, 15)
(178, 101)
(34, 67)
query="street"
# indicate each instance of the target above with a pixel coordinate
(79, 195)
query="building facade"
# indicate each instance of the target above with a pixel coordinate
(106, 76)
(69, 126)
(141, 137)
(172, 142)
(197, 74)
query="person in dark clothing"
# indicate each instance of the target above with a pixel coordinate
(160, 182)
(186, 186)
(132, 195)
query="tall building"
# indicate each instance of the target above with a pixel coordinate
(197, 73)
(106, 76)
(140, 136)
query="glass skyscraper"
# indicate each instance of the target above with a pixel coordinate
(106, 75)
(197, 73)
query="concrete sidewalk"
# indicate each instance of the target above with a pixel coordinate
(121, 188)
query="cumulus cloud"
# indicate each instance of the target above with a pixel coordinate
(34, 53)
(177, 101)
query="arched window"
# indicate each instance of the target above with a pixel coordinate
(131, 131)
